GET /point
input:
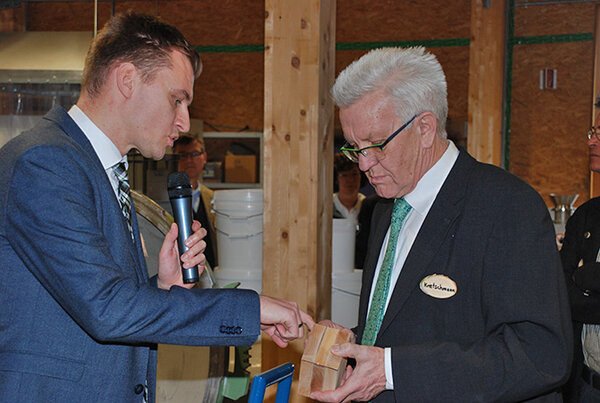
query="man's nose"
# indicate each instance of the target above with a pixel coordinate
(182, 120)
(365, 163)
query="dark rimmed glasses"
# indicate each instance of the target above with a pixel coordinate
(375, 150)
(193, 154)
(594, 132)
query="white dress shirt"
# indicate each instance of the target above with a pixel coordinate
(421, 199)
(352, 212)
(107, 151)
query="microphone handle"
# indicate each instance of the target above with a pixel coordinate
(182, 213)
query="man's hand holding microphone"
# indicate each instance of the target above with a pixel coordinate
(182, 265)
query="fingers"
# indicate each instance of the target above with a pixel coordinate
(194, 256)
(346, 350)
(307, 320)
(271, 331)
(283, 319)
(197, 236)
(363, 382)
(347, 374)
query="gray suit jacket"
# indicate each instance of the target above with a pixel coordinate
(80, 318)
(505, 336)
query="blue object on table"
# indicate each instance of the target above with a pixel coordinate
(281, 375)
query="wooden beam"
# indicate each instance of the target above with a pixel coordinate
(486, 78)
(298, 161)
(595, 176)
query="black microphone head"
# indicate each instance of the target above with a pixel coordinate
(178, 185)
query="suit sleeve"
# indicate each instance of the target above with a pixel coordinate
(58, 227)
(521, 312)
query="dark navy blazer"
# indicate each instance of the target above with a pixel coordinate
(505, 336)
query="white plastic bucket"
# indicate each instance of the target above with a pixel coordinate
(345, 297)
(343, 239)
(239, 228)
(250, 279)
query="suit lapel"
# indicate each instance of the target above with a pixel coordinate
(435, 230)
(61, 118)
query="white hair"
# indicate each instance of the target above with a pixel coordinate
(412, 77)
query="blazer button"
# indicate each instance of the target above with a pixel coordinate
(223, 329)
(139, 388)
(238, 330)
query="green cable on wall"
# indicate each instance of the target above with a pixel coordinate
(429, 43)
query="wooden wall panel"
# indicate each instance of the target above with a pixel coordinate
(12, 19)
(547, 141)
(392, 20)
(554, 19)
(230, 90)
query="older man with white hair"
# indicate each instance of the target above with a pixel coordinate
(463, 297)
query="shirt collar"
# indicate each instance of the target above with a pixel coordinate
(198, 187)
(106, 150)
(423, 195)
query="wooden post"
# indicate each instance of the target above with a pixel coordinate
(486, 78)
(595, 176)
(298, 161)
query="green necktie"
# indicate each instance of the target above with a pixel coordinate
(401, 210)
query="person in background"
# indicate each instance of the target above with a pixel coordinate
(191, 160)
(463, 297)
(580, 254)
(347, 200)
(80, 318)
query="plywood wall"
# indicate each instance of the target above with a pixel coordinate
(547, 141)
(547, 147)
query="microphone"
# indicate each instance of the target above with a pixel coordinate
(180, 195)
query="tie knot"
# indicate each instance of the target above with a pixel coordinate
(120, 169)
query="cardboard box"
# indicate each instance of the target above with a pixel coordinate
(240, 168)
(320, 370)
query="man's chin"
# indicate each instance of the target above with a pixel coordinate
(154, 156)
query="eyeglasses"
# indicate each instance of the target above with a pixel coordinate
(375, 150)
(193, 154)
(594, 132)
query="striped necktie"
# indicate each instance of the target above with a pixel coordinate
(377, 310)
(120, 172)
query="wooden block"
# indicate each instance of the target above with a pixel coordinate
(321, 370)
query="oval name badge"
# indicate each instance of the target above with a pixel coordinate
(438, 286)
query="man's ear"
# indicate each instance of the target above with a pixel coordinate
(427, 125)
(126, 76)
